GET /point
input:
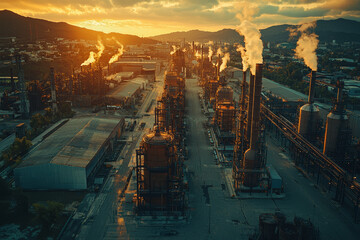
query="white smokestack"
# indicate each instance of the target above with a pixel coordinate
(253, 43)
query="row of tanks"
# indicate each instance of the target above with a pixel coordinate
(159, 160)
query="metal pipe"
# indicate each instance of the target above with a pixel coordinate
(250, 106)
(312, 87)
(255, 122)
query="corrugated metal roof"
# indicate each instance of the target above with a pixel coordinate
(74, 144)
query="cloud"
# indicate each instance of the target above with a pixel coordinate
(151, 17)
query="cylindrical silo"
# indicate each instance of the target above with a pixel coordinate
(158, 150)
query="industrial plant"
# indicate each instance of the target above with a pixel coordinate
(181, 140)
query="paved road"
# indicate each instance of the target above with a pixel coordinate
(103, 211)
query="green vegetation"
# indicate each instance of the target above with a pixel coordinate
(291, 76)
(39, 122)
(48, 214)
(13, 154)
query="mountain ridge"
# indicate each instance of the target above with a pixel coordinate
(339, 29)
(31, 29)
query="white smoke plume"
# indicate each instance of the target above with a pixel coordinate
(174, 50)
(100, 47)
(197, 54)
(211, 52)
(307, 45)
(225, 60)
(219, 52)
(91, 59)
(253, 43)
(244, 57)
(120, 52)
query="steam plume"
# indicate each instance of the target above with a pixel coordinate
(91, 59)
(100, 47)
(244, 57)
(118, 54)
(197, 54)
(210, 53)
(174, 50)
(225, 59)
(219, 52)
(253, 44)
(94, 56)
(307, 45)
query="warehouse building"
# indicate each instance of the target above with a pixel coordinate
(69, 158)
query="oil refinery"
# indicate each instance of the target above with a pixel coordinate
(181, 139)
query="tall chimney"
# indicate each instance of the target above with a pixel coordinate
(251, 159)
(12, 80)
(250, 106)
(312, 87)
(255, 121)
(24, 104)
(218, 66)
(53, 90)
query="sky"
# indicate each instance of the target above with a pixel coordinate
(153, 17)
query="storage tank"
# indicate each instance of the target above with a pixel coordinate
(337, 133)
(159, 151)
(309, 113)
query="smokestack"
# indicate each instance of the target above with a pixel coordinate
(256, 107)
(53, 90)
(250, 106)
(339, 102)
(71, 85)
(251, 162)
(218, 66)
(242, 98)
(24, 107)
(12, 80)
(312, 87)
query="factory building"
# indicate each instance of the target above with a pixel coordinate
(69, 158)
(137, 67)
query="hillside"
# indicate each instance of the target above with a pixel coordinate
(340, 30)
(31, 29)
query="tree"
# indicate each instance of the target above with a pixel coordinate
(47, 214)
